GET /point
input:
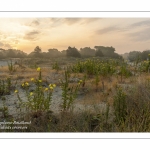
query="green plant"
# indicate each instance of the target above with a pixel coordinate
(56, 66)
(97, 81)
(11, 66)
(5, 86)
(40, 98)
(92, 66)
(124, 71)
(4, 110)
(120, 106)
(68, 93)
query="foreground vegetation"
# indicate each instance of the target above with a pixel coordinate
(121, 88)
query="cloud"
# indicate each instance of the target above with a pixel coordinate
(71, 21)
(90, 20)
(142, 35)
(8, 46)
(53, 20)
(33, 35)
(107, 30)
(5, 45)
(1, 44)
(35, 23)
(141, 23)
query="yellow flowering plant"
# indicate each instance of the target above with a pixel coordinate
(40, 99)
(38, 69)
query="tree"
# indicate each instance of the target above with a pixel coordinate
(45, 55)
(134, 55)
(20, 55)
(37, 49)
(87, 52)
(72, 52)
(37, 52)
(11, 53)
(31, 55)
(107, 51)
(63, 53)
(1, 55)
(144, 54)
(99, 53)
(54, 52)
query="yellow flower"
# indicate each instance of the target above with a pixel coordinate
(148, 54)
(51, 88)
(32, 79)
(16, 91)
(50, 85)
(40, 80)
(46, 89)
(54, 85)
(27, 84)
(31, 93)
(80, 81)
(22, 84)
(38, 69)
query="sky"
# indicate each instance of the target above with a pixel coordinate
(124, 34)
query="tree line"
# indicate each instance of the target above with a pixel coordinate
(137, 55)
(98, 51)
